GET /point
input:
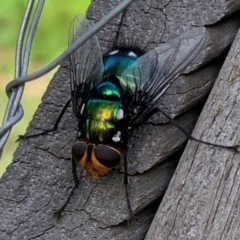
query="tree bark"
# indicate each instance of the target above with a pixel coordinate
(40, 178)
(202, 200)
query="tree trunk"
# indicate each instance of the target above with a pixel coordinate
(202, 200)
(40, 178)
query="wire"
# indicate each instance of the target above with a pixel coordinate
(14, 89)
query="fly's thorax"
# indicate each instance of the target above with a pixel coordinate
(97, 159)
(102, 114)
(118, 63)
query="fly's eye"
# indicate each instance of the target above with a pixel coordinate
(107, 156)
(78, 150)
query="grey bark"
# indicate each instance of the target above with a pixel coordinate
(202, 200)
(39, 179)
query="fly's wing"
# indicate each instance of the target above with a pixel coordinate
(86, 66)
(151, 75)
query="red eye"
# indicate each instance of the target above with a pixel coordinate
(78, 150)
(107, 156)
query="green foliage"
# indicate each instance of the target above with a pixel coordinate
(11, 13)
(53, 27)
(51, 35)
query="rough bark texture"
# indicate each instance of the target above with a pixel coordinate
(202, 200)
(39, 179)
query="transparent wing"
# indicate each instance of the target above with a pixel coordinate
(151, 75)
(86, 66)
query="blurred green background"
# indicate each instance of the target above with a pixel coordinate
(51, 40)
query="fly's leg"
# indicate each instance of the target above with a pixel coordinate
(59, 212)
(50, 130)
(235, 148)
(131, 213)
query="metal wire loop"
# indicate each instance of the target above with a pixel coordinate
(14, 89)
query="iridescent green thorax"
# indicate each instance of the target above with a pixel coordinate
(106, 90)
(116, 62)
(104, 110)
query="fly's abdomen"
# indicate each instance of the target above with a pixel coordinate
(103, 112)
(102, 118)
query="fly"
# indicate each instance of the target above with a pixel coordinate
(114, 93)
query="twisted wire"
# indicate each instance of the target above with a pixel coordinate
(14, 89)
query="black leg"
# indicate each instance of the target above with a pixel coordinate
(126, 187)
(74, 172)
(189, 136)
(50, 130)
(58, 213)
